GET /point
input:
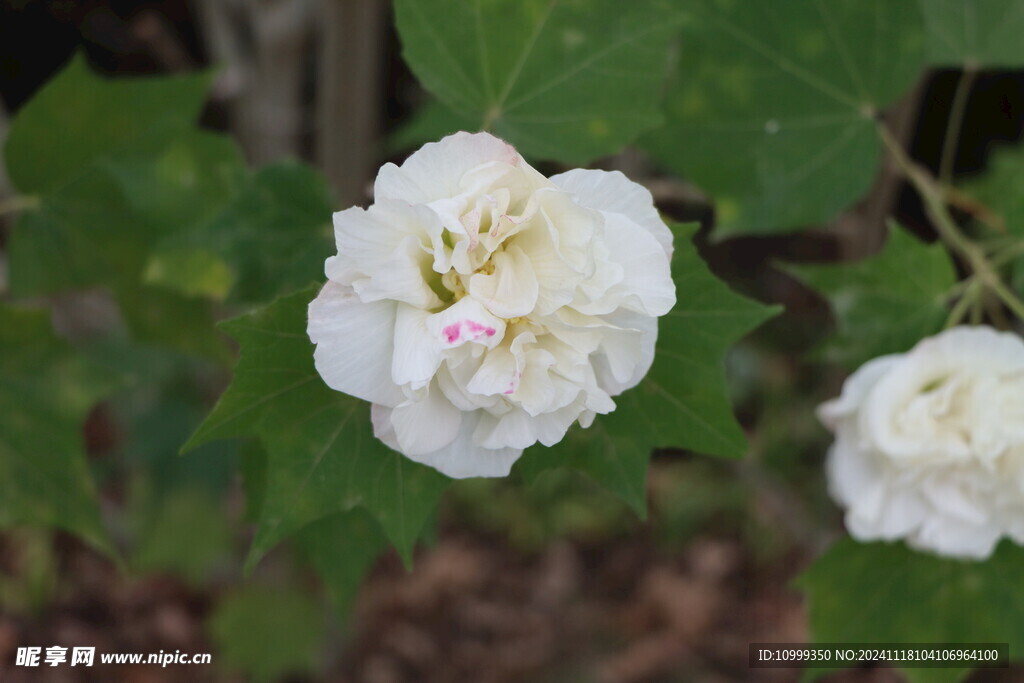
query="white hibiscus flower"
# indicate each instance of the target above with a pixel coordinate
(482, 307)
(930, 444)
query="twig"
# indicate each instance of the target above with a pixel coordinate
(963, 303)
(972, 206)
(955, 123)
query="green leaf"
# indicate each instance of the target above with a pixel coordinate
(132, 169)
(78, 119)
(186, 183)
(683, 402)
(194, 272)
(322, 457)
(430, 122)
(85, 234)
(272, 237)
(618, 462)
(976, 32)
(252, 464)
(46, 391)
(342, 548)
(118, 165)
(268, 633)
(186, 533)
(885, 592)
(160, 316)
(887, 303)
(772, 107)
(1001, 189)
(560, 79)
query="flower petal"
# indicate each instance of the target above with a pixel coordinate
(384, 253)
(463, 458)
(417, 353)
(557, 242)
(517, 429)
(646, 281)
(435, 170)
(855, 388)
(613, 192)
(627, 350)
(511, 290)
(354, 342)
(426, 424)
(465, 321)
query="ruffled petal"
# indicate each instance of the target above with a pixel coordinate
(613, 192)
(427, 424)
(354, 343)
(516, 429)
(435, 170)
(557, 243)
(855, 388)
(644, 277)
(464, 458)
(627, 350)
(466, 321)
(383, 252)
(511, 290)
(417, 353)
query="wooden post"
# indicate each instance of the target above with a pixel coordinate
(349, 80)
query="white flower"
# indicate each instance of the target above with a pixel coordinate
(930, 444)
(482, 307)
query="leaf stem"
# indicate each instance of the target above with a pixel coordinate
(955, 123)
(965, 302)
(935, 207)
(985, 215)
(1004, 255)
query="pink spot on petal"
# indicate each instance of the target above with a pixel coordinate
(478, 329)
(452, 333)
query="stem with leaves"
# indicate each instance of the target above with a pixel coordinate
(935, 204)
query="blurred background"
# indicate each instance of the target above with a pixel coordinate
(554, 582)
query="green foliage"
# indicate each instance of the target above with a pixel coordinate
(885, 592)
(116, 165)
(430, 122)
(560, 503)
(31, 588)
(887, 303)
(187, 533)
(772, 106)
(45, 392)
(160, 213)
(975, 32)
(77, 122)
(569, 80)
(342, 548)
(683, 401)
(271, 237)
(322, 457)
(267, 633)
